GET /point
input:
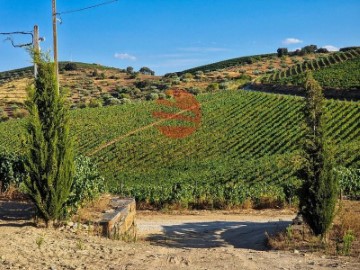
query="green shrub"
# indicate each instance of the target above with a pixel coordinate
(12, 170)
(87, 184)
(349, 181)
(212, 87)
(112, 101)
(70, 66)
(82, 105)
(4, 116)
(152, 96)
(94, 103)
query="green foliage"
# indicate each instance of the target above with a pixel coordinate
(152, 96)
(4, 116)
(49, 152)
(11, 170)
(349, 181)
(348, 239)
(282, 51)
(87, 185)
(332, 72)
(146, 71)
(320, 187)
(308, 49)
(129, 70)
(70, 66)
(94, 103)
(212, 87)
(246, 142)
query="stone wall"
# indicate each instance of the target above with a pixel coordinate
(119, 222)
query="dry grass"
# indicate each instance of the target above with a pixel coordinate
(346, 225)
(13, 194)
(92, 211)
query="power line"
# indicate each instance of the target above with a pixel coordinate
(18, 33)
(85, 8)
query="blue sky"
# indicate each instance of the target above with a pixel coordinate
(173, 35)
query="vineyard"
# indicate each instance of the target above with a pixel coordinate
(340, 70)
(247, 147)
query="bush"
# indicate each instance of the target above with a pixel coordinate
(125, 101)
(94, 103)
(112, 101)
(4, 116)
(70, 66)
(102, 76)
(152, 96)
(95, 73)
(12, 170)
(20, 113)
(187, 77)
(162, 96)
(212, 87)
(82, 105)
(87, 185)
(349, 181)
(194, 90)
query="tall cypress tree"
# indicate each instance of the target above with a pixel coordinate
(320, 187)
(50, 159)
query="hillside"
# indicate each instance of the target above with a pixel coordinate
(84, 84)
(246, 139)
(92, 85)
(338, 73)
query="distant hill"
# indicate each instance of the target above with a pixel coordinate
(96, 85)
(86, 84)
(239, 61)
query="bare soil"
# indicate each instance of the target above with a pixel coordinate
(191, 240)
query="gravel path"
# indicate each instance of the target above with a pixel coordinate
(198, 241)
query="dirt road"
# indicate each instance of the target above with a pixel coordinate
(196, 241)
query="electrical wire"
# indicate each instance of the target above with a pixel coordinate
(85, 8)
(18, 33)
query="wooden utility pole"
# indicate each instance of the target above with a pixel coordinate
(36, 48)
(55, 42)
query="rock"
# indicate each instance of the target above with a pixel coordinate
(70, 224)
(173, 260)
(298, 220)
(185, 261)
(296, 251)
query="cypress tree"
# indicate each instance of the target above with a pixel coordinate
(49, 148)
(320, 187)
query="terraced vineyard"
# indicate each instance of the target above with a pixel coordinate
(247, 147)
(339, 70)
